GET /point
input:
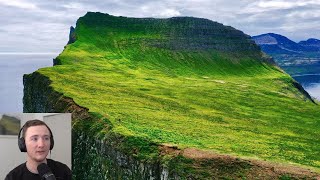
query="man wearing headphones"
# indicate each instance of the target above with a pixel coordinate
(37, 140)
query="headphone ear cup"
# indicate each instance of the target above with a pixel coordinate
(51, 142)
(22, 144)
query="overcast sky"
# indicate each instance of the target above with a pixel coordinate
(42, 26)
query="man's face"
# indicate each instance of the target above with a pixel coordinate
(37, 140)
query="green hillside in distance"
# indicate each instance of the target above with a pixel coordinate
(9, 125)
(187, 82)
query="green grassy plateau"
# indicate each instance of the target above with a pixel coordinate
(166, 81)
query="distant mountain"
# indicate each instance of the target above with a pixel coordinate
(294, 58)
(271, 43)
(311, 43)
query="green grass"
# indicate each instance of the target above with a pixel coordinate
(203, 99)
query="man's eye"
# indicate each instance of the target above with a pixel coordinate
(34, 139)
(47, 138)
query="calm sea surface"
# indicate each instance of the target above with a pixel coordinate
(311, 83)
(12, 68)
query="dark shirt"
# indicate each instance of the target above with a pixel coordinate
(21, 172)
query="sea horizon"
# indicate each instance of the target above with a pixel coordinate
(29, 53)
(12, 68)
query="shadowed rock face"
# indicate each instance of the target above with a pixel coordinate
(201, 34)
(72, 35)
(177, 33)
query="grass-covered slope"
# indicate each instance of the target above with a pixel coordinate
(189, 82)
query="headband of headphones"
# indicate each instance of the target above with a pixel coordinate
(22, 142)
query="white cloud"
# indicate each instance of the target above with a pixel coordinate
(19, 4)
(49, 21)
(73, 5)
(302, 26)
(263, 6)
(276, 4)
(304, 14)
(168, 13)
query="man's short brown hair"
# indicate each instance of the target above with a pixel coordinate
(34, 122)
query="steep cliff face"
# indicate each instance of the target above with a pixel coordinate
(177, 33)
(72, 35)
(101, 159)
(39, 96)
(164, 98)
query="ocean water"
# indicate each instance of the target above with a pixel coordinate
(314, 90)
(12, 68)
(311, 83)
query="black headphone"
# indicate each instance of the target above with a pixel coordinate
(22, 142)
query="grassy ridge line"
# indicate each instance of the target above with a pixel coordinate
(208, 100)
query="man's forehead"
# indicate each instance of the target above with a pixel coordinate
(37, 130)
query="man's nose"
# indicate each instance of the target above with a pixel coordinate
(41, 142)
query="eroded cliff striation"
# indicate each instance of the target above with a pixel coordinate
(39, 96)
